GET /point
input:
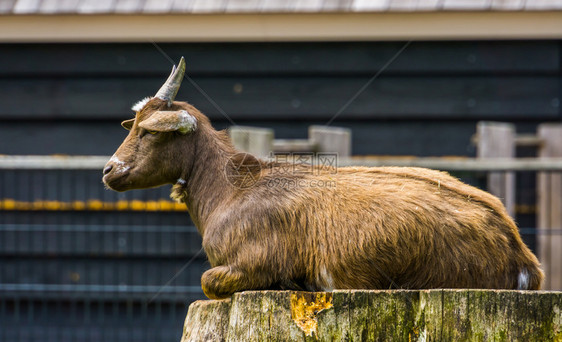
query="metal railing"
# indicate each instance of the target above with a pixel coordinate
(80, 263)
(439, 163)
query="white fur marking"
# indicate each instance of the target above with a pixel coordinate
(326, 279)
(137, 107)
(187, 122)
(116, 160)
(123, 169)
(523, 280)
(120, 166)
(181, 181)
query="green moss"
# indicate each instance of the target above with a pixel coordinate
(429, 315)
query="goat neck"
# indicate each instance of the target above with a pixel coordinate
(204, 187)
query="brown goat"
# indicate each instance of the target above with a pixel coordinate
(371, 228)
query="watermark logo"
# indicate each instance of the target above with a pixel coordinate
(293, 183)
(303, 170)
(243, 170)
(284, 170)
(308, 163)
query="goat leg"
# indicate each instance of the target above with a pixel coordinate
(222, 281)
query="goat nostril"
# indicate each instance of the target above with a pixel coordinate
(107, 169)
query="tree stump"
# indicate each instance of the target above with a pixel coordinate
(373, 315)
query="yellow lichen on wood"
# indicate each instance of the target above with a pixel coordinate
(305, 308)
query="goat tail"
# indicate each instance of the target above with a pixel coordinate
(530, 278)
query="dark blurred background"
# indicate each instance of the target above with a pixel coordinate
(75, 264)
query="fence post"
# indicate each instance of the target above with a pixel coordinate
(254, 140)
(497, 140)
(549, 205)
(331, 139)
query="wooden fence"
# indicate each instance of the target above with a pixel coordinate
(499, 140)
(496, 145)
(550, 207)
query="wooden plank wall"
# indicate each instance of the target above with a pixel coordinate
(70, 98)
(438, 90)
(297, 81)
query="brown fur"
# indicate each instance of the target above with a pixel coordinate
(377, 228)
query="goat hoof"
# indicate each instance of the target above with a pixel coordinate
(221, 282)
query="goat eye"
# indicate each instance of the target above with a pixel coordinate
(151, 132)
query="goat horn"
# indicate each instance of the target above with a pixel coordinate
(170, 88)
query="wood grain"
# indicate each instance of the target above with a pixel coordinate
(382, 315)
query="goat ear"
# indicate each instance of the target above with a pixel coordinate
(128, 124)
(170, 121)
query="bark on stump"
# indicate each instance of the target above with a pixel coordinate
(387, 315)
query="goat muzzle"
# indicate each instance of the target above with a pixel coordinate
(107, 169)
